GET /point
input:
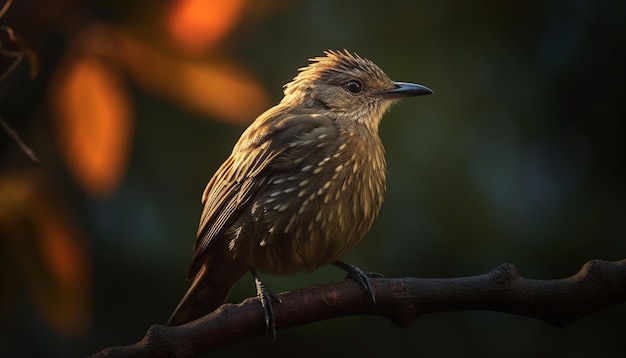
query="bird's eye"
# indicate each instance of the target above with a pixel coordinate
(354, 86)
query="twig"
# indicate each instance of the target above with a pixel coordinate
(12, 133)
(5, 7)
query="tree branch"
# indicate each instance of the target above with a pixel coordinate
(598, 285)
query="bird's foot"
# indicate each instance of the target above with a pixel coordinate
(360, 276)
(267, 298)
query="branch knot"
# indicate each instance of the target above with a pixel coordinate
(504, 275)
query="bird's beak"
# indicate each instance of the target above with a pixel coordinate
(404, 89)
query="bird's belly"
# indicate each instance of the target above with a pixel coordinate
(310, 242)
(291, 252)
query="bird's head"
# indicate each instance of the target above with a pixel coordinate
(348, 86)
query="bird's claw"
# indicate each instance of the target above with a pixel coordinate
(267, 298)
(360, 276)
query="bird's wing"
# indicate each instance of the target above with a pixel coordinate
(245, 172)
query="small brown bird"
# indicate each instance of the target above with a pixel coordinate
(302, 186)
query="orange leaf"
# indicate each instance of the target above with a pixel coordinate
(67, 307)
(48, 250)
(198, 25)
(94, 122)
(224, 89)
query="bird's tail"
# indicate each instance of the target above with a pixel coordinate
(208, 291)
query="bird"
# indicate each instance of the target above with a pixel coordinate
(302, 185)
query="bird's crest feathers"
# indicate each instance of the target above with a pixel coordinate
(335, 62)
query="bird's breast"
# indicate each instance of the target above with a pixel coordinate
(313, 212)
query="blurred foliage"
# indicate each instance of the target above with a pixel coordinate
(518, 157)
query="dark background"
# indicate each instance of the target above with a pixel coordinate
(518, 157)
